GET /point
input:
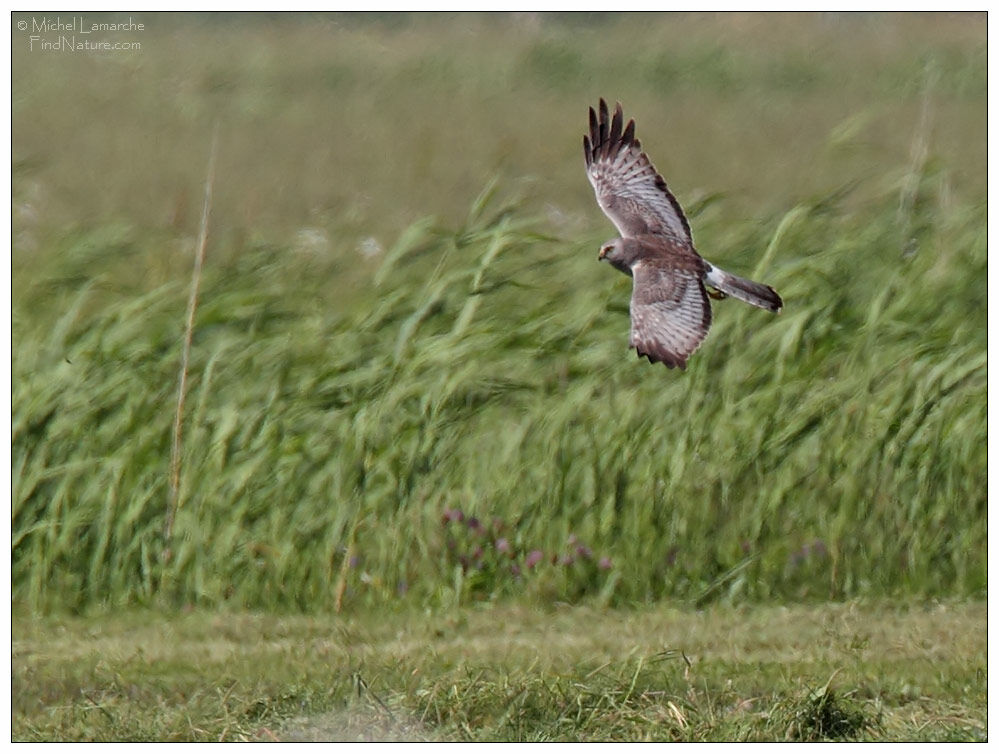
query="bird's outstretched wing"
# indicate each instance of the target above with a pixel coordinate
(629, 190)
(670, 313)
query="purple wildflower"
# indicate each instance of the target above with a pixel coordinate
(584, 552)
(503, 546)
(605, 563)
(533, 558)
(452, 515)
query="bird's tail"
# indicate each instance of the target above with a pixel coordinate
(756, 294)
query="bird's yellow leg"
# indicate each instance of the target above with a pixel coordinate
(716, 294)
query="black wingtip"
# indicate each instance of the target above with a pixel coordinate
(604, 117)
(608, 133)
(629, 132)
(614, 140)
(668, 360)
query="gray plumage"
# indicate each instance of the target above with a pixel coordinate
(670, 311)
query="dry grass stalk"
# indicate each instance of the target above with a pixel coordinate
(192, 306)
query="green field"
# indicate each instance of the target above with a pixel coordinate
(855, 672)
(410, 392)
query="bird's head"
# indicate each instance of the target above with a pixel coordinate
(607, 250)
(613, 251)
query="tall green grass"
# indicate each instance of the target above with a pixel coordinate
(837, 450)
(349, 414)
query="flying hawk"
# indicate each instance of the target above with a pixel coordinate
(670, 312)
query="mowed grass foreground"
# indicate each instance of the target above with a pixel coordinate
(827, 672)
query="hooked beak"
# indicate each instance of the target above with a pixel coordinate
(602, 254)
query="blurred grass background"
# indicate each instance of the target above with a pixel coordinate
(409, 375)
